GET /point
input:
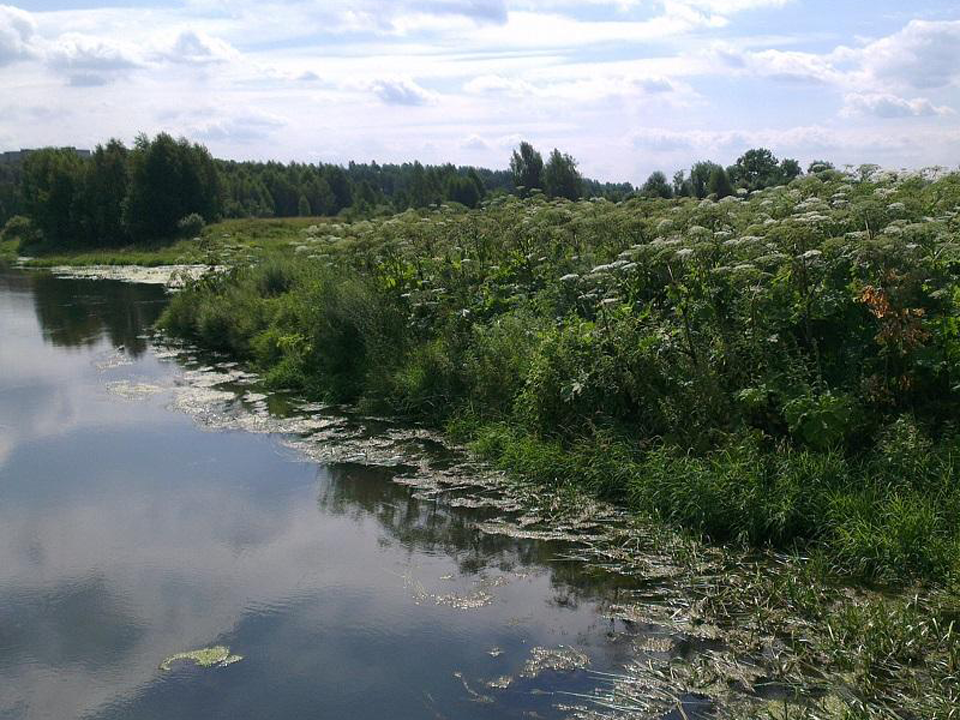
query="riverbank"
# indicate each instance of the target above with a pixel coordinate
(761, 370)
(226, 241)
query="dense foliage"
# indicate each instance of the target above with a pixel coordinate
(778, 366)
(118, 196)
(11, 195)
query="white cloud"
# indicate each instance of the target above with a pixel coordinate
(734, 6)
(17, 30)
(240, 128)
(662, 140)
(87, 79)
(378, 17)
(402, 91)
(574, 87)
(509, 142)
(854, 145)
(197, 48)
(884, 105)
(74, 51)
(722, 7)
(613, 82)
(482, 10)
(785, 66)
(498, 85)
(474, 142)
(654, 85)
(923, 55)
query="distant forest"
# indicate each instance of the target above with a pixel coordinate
(162, 188)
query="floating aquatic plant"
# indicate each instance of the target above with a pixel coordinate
(216, 656)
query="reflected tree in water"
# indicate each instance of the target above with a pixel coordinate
(426, 526)
(79, 313)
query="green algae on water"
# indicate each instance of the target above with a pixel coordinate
(216, 656)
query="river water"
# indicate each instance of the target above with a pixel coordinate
(133, 526)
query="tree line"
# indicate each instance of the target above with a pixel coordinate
(755, 170)
(164, 187)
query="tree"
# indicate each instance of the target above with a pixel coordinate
(657, 186)
(681, 185)
(169, 179)
(757, 169)
(462, 190)
(19, 229)
(339, 187)
(11, 195)
(285, 193)
(200, 189)
(421, 190)
(719, 183)
(303, 207)
(105, 189)
(474, 177)
(561, 177)
(818, 166)
(52, 186)
(790, 169)
(318, 194)
(364, 196)
(527, 168)
(700, 178)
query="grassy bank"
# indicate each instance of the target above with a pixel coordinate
(779, 369)
(8, 251)
(231, 241)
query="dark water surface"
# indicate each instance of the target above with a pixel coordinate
(130, 532)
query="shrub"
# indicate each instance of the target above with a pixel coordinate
(190, 225)
(22, 230)
(274, 277)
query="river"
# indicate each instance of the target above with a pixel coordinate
(141, 516)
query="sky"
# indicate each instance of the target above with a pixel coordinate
(625, 86)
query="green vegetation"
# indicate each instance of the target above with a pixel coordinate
(116, 196)
(8, 250)
(778, 369)
(226, 241)
(217, 656)
(165, 189)
(57, 200)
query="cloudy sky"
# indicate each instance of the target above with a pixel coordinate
(626, 86)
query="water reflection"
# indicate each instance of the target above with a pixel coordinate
(82, 621)
(127, 534)
(73, 314)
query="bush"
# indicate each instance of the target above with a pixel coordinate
(274, 277)
(190, 225)
(22, 230)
